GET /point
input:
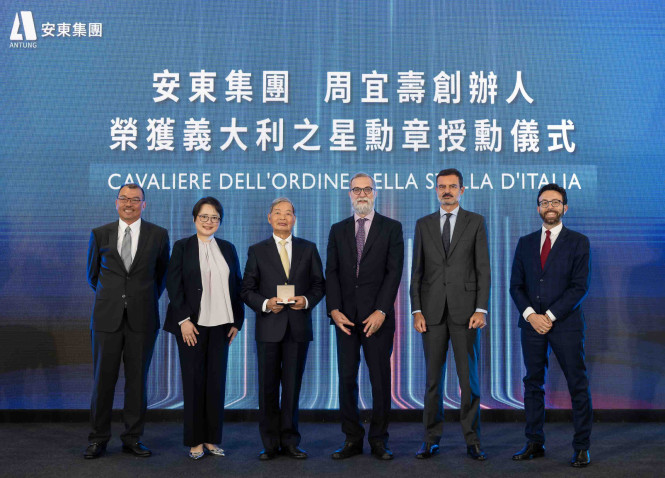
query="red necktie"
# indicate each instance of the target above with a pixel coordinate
(547, 246)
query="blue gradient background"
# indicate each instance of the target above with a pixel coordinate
(601, 64)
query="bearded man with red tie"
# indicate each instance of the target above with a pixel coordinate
(549, 282)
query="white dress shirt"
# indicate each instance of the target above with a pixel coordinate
(135, 231)
(368, 222)
(289, 251)
(453, 220)
(554, 233)
(215, 308)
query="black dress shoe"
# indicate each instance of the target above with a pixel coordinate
(348, 450)
(381, 451)
(427, 450)
(265, 454)
(531, 450)
(136, 449)
(580, 459)
(94, 450)
(475, 452)
(294, 451)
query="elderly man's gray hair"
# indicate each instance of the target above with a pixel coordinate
(282, 199)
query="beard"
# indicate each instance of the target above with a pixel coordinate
(363, 206)
(551, 220)
(448, 201)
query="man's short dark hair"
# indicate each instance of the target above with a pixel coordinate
(553, 187)
(133, 186)
(451, 172)
(213, 202)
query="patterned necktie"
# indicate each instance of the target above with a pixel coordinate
(284, 256)
(445, 234)
(360, 242)
(547, 246)
(126, 248)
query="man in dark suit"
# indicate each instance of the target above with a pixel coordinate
(450, 289)
(549, 282)
(127, 261)
(363, 269)
(283, 330)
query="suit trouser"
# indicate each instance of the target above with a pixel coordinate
(568, 347)
(108, 349)
(377, 350)
(280, 362)
(203, 368)
(465, 343)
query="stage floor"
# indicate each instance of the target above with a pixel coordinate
(55, 449)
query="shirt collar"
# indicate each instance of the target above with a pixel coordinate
(369, 217)
(454, 212)
(135, 226)
(554, 232)
(278, 239)
(212, 237)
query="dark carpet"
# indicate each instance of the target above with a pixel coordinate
(55, 449)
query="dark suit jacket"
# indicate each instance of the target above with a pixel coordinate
(381, 264)
(115, 286)
(560, 287)
(462, 279)
(264, 272)
(184, 285)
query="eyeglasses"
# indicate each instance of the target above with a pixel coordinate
(206, 218)
(554, 203)
(368, 190)
(131, 200)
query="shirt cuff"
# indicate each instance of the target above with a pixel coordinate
(482, 310)
(551, 316)
(415, 312)
(306, 302)
(183, 321)
(528, 312)
(265, 308)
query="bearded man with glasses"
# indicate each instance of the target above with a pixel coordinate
(363, 272)
(549, 282)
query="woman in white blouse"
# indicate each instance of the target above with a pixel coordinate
(205, 314)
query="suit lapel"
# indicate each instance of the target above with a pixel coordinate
(559, 244)
(143, 240)
(350, 234)
(374, 232)
(192, 256)
(113, 242)
(534, 248)
(273, 256)
(460, 225)
(297, 247)
(434, 227)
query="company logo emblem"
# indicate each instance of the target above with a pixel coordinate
(28, 27)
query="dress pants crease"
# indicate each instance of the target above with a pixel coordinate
(280, 363)
(203, 367)
(108, 349)
(377, 350)
(568, 348)
(465, 343)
